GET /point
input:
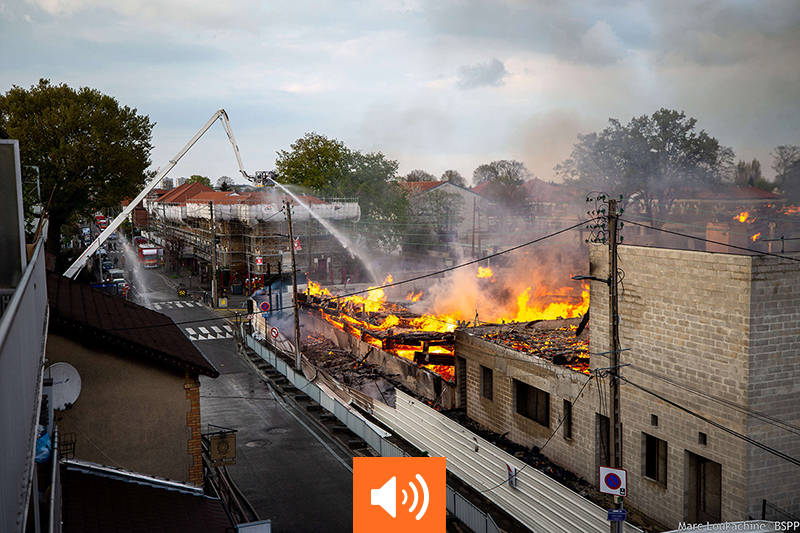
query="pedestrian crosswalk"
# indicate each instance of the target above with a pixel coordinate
(178, 304)
(202, 333)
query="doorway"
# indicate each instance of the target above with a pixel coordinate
(704, 490)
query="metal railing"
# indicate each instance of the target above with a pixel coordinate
(472, 517)
(23, 327)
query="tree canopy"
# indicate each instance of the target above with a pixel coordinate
(329, 169)
(225, 183)
(197, 178)
(419, 175)
(652, 159)
(785, 157)
(87, 147)
(454, 177)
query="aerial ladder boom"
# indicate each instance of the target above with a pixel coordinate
(220, 115)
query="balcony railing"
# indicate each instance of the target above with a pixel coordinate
(23, 330)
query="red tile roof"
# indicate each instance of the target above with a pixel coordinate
(84, 310)
(416, 187)
(182, 192)
(97, 499)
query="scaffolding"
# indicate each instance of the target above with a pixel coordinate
(250, 233)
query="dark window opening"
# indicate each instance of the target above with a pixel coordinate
(654, 420)
(487, 385)
(532, 403)
(702, 439)
(567, 423)
(655, 459)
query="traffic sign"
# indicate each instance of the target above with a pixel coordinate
(273, 331)
(259, 260)
(613, 481)
(617, 515)
(264, 306)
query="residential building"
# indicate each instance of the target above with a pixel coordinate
(138, 407)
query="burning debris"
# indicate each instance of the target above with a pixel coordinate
(426, 340)
(562, 342)
(429, 339)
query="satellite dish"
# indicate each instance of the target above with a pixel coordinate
(66, 385)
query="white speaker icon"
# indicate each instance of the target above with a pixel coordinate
(386, 497)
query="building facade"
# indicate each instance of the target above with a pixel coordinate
(710, 377)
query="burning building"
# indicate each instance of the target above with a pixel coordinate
(710, 381)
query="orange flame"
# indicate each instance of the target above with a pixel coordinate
(756, 236)
(744, 216)
(484, 272)
(414, 296)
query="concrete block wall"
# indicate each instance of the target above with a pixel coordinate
(774, 383)
(685, 323)
(498, 414)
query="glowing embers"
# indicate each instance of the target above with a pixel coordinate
(560, 346)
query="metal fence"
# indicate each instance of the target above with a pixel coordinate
(469, 514)
(472, 517)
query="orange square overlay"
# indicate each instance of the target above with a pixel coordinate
(389, 494)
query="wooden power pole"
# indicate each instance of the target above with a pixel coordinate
(295, 307)
(616, 426)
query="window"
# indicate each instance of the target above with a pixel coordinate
(567, 423)
(655, 459)
(702, 439)
(487, 375)
(533, 403)
(654, 421)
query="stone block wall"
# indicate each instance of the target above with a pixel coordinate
(685, 326)
(774, 384)
(499, 414)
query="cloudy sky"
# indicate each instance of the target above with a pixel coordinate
(436, 85)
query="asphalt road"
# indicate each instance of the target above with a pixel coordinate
(289, 470)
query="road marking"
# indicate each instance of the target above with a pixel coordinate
(227, 327)
(217, 330)
(157, 306)
(177, 304)
(204, 331)
(191, 331)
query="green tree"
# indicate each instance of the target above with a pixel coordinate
(197, 178)
(436, 216)
(329, 169)
(89, 149)
(454, 177)
(225, 183)
(504, 180)
(784, 158)
(653, 159)
(419, 175)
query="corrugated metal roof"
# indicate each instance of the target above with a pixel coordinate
(136, 328)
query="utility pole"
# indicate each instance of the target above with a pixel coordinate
(296, 308)
(214, 301)
(613, 221)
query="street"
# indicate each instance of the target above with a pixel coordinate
(289, 470)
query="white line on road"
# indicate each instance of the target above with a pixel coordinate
(204, 331)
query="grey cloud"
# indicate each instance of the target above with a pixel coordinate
(482, 75)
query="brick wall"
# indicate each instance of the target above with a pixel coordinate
(774, 387)
(192, 386)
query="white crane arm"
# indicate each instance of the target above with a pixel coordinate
(76, 267)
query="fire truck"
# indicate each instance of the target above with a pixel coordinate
(150, 254)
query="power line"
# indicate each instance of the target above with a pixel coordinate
(726, 429)
(563, 418)
(436, 273)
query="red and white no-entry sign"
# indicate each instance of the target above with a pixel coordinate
(259, 260)
(613, 481)
(273, 331)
